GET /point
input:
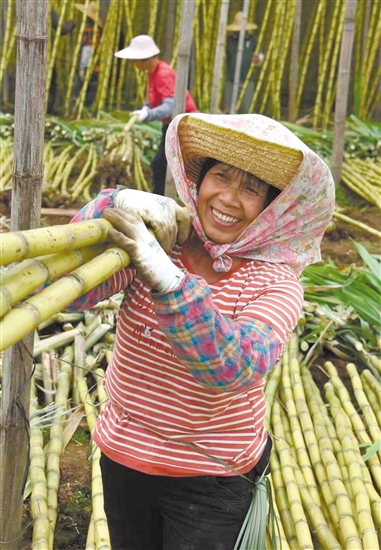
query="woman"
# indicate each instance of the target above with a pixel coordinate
(201, 326)
(160, 97)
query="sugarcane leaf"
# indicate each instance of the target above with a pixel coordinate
(373, 449)
(369, 260)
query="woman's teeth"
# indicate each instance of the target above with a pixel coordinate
(224, 218)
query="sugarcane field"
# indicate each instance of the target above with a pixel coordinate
(76, 126)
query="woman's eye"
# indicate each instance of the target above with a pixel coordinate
(221, 175)
(252, 190)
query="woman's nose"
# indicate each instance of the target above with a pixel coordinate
(230, 195)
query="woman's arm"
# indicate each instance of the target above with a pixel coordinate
(221, 353)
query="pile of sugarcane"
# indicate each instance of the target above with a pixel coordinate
(82, 158)
(325, 466)
(326, 460)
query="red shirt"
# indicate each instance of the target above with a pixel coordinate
(161, 84)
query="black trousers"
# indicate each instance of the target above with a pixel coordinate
(146, 512)
(159, 165)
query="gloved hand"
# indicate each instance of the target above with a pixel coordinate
(169, 221)
(142, 113)
(149, 259)
(81, 74)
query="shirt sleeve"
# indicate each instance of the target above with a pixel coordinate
(162, 111)
(222, 353)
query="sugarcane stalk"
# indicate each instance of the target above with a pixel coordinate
(362, 500)
(306, 58)
(96, 335)
(341, 418)
(46, 377)
(77, 49)
(102, 395)
(323, 66)
(25, 277)
(302, 531)
(354, 417)
(94, 323)
(94, 57)
(90, 539)
(373, 401)
(282, 501)
(369, 416)
(331, 80)
(314, 400)
(295, 404)
(38, 500)
(356, 223)
(272, 384)
(55, 446)
(55, 341)
(52, 56)
(20, 245)
(61, 166)
(111, 29)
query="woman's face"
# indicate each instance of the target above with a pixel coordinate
(229, 200)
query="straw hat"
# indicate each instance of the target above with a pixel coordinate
(237, 23)
(90, 12)
(272, 162)
(141, 47)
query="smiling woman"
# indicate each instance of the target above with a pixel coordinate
(207, 311)
(229, 200)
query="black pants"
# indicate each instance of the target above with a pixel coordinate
(148, 512)
(159, 165)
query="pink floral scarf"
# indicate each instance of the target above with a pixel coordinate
(290, 229)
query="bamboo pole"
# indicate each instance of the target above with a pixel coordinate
(341, 103)
(32, 25)
(219, 57)
(238, 62)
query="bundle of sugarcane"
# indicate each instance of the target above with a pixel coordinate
(64, 377)
(325, 488)
(62, 245)
(77, 155)
(364, 178)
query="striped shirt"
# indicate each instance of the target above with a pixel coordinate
(186, 380)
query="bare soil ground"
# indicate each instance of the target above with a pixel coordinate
(75, 491)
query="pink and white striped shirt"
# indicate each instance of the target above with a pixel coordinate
(169, 407)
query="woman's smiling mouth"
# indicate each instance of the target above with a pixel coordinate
(223, 217)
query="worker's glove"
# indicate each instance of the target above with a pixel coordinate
(169, 221)
(142, 113)
(81, 74)
(149, 259)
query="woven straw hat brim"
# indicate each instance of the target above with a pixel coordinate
(90, 12)
(199, 139)
(235, 27)
(237, 23)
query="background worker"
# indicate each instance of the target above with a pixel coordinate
(248, 58)
(85, 57)
(206, 314)
(160, 98)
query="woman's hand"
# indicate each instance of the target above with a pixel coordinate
(149, 259)
(169, 221)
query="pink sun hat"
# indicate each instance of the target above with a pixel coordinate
(141, 47)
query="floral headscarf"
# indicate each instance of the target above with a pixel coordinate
(290, 229)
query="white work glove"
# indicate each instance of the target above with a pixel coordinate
(149, 259)
(169, 221)
(142, 113)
